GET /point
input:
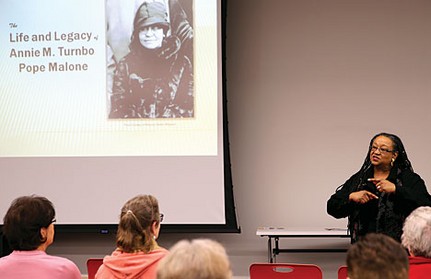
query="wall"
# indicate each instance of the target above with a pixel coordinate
(309, 83)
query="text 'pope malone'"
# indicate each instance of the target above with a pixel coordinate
(53, 67)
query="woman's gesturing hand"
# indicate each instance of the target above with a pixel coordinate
(383, 185)
(362, 197)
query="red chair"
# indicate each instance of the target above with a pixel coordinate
(284, 271)
(342, 272)
(93, 266)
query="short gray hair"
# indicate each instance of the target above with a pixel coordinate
(416, 235)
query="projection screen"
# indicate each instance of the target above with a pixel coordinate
(89, 119)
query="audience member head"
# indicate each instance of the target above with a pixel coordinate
(28, 223)
(196, 259)
(416, 235)
(377, 256)
(139, 224)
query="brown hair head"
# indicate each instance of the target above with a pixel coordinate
(134, 229)
(377, 256)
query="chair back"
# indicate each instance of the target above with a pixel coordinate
(342, 272)
(284, 271)
(92, 267)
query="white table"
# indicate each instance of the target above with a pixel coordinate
(275, 233)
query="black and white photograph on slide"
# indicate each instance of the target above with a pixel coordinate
(150, 59)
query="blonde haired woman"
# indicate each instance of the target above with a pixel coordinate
(197, 259)
(137, 253)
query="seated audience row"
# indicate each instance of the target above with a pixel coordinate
(29, 229)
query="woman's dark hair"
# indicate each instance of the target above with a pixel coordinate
(24, 219)
(137, 217)
(402, 162)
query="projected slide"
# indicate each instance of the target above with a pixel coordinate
(108, 78)
(107, 99)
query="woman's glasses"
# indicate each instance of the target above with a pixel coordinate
(381, 149)
(161, 217)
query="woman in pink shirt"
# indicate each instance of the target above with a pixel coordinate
(137, 253)
(29, 229)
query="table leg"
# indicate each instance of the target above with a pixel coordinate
(276, 250)
(269, 249)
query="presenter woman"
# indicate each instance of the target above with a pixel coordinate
(382, 193)
(137, 254)
(29, 229)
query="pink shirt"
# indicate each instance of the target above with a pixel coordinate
(37, 265)
(139, 265)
